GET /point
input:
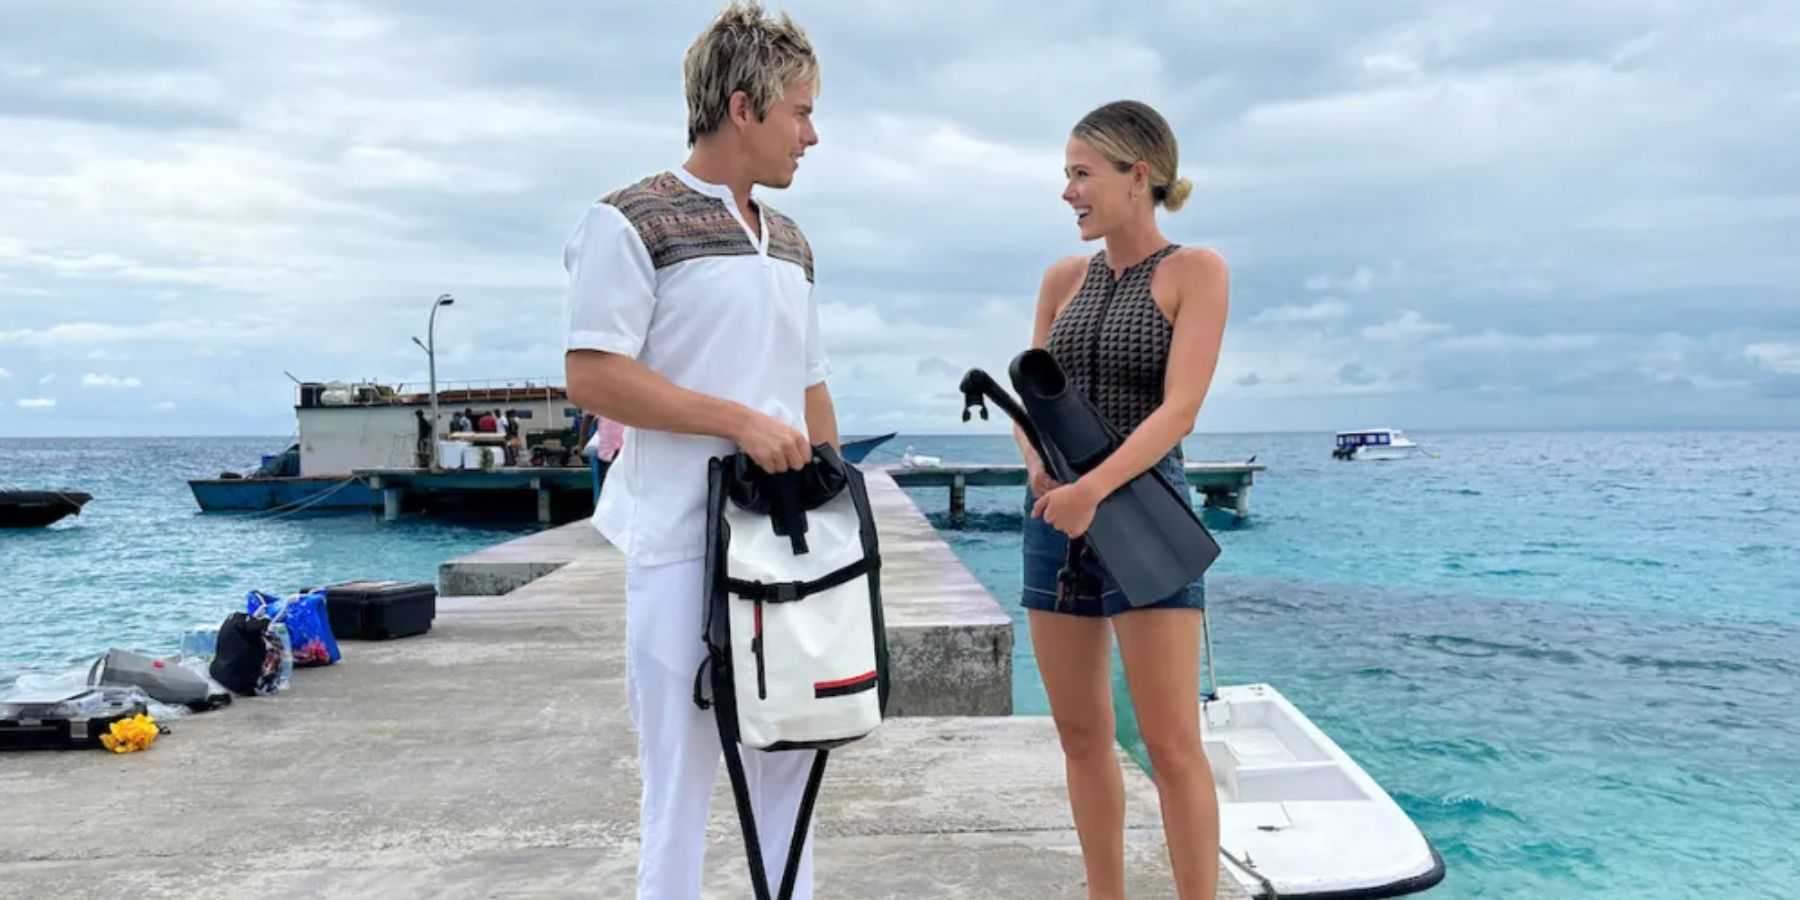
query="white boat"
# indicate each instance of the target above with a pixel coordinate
(1298, 818)
(1375, 444)
(912, 460)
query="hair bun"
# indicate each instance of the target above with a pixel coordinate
(1178, 194)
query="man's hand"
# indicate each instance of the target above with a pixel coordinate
(1041, 481)
(772, 443)
(625, 391)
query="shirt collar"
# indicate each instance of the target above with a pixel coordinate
(719, 191)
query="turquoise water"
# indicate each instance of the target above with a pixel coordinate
(141, 563)
(1573, 658)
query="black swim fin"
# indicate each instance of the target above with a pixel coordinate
(1145, 534)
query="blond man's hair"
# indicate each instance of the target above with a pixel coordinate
(746, 50)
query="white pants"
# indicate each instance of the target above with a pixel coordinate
(678, 745)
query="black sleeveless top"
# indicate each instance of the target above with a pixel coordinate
(1113, 341)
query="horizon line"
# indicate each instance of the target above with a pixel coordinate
(1525, 429)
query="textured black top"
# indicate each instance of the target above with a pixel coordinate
(1113, 341)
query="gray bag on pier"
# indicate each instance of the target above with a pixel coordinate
(165, 682)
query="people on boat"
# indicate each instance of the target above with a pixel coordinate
(423, 450)
(515, 439)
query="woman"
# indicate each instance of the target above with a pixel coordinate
(1137, 327)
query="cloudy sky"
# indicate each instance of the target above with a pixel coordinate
(1443, 214)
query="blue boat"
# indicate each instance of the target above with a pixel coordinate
(858, 450)
(349, 428)
(283, 493)
(277, 485)
(345, 428)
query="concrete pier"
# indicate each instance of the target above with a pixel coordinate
(493, 757)
(949, 644)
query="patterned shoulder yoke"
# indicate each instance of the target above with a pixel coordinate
(678, 223)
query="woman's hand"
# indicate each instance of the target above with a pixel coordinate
(1068, 508)
(1041, 482)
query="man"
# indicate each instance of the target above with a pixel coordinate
(422, 452)
(515, 438)
(692, 323)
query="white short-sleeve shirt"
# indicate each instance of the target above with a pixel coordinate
(667, 272)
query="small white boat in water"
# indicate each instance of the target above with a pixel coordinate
(1298, 818)
(1375, 444)
(913, 460)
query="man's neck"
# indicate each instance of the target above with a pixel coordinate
(712, 162)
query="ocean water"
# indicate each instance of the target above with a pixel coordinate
(1574, 659)
(142, 563)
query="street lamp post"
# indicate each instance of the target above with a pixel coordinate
(430, 348)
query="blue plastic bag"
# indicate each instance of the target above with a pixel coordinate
(308, 627)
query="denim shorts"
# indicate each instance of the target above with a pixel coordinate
(1046, 549)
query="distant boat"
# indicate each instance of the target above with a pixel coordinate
(856, 451)
(1373, 444)
(278, 485)
(345, 427)
(255, 494)
(35, 509)
(913, 460)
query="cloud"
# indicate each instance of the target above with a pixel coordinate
(1781, 387)
(1422, 203)
(939, 367)
(5, 374)
(1361, 281)
(47, 379)
(1409, 326)
(92, 380)
(88, 334)
(1491, 341)
(37, 403)
(1330, 309)
(1776, 357)
(1356, 374)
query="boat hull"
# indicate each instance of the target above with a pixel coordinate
(1383, 454)
(856, 451)
(321, 493)
(1297, 814)
(36, 509)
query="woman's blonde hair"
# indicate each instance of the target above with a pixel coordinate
(744, 50)
(1127, 131)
